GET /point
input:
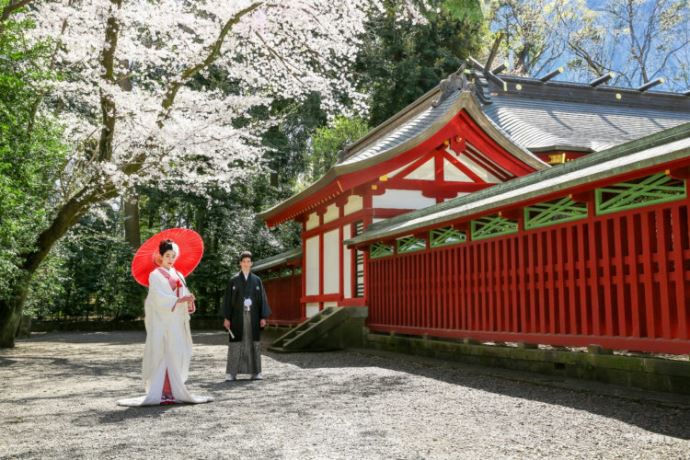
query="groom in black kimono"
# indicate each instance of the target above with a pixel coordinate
(245, 308)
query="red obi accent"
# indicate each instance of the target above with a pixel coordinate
(175, 282)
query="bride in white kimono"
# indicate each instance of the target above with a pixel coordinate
(168, 347)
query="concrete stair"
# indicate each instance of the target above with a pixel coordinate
(332, 328)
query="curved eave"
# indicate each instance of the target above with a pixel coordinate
(277, 260)
(297, 198)
(465, 100)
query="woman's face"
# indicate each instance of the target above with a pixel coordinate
(169, 259)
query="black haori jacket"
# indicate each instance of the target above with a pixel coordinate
(233, 304)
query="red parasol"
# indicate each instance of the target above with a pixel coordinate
(147, 257)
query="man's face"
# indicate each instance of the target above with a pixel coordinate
(246, 264)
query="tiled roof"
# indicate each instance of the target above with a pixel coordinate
(540, 125)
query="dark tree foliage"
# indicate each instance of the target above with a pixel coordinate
(401, 60)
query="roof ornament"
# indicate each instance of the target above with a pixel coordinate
(651, 84)
(552, 74)
(601, 80)
(485, 69)
(457, 81)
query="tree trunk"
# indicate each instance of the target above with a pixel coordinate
(132, 228)
(11, 312)
(67, 216)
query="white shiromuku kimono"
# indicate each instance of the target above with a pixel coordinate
(168, 344)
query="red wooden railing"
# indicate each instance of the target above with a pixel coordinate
(620, 280)
(284, 298)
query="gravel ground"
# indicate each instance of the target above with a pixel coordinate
(60, 392)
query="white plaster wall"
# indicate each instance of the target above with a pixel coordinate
(312, 221)
(402, 199)
(451, 173)
(332, 213)
(312, 309)
(330, 304)
(485, 175)
(331, 262)
(425, 171)
(354, 204)
(347, 265)
(312, 259)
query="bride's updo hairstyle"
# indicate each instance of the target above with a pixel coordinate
(165, 246)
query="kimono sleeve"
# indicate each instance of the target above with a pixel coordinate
(265, 308)
(160, 294)
(226, 309)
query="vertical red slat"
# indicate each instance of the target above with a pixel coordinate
(561, 240)
(402, 295)
(582, 279)
(454, 284)
(532, 267)
(551, 269)
(450, 288)
(663, 231)
(633, 237)
(467, 288)
(541, 285)
(432, 292)
(427, 300)
(594, 279)
(488, 287)
(438, 292)
(648, 232)
(505, 300)
(607, 281)
(481, 299)
(679, 272)
(570, 240)
(619, 263)
(525, 283)
(515, 284)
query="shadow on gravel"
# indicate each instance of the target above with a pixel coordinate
(288, 388)
(651, 416)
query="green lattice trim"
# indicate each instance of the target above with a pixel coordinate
(285, 272)
(297, 270)
(554, 212)
(446, 236)
(273, 275)
(410, 244)
(381, 250)
(488, 227)
(658, 188)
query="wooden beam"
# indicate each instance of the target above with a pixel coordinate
(492, 54)
(651, 84)
(601, 80)
(552, 74)
(498, 69)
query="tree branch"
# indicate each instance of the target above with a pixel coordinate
(137, 162)
(108, 108)
(213, 53)
(11, 8)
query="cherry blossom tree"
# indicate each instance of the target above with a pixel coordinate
(135, 113)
